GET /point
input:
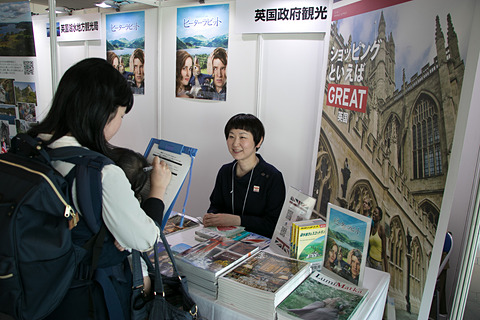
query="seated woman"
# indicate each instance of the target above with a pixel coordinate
(248, 192)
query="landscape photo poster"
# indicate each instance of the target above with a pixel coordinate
(125, 34)
(17, 71)
(393, 80)
(202, 52)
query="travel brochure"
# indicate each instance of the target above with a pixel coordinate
(252, 238)
(173, 223)
(308, 241)
(297, 206)
(322, 297)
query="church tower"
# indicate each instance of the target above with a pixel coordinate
(382, 68)
(448, 105)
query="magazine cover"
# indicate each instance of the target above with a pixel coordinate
(322, 297)
(257, 240)
(257, 285)
(214, 256)
(173, 223)
(164, 261)
(347, 243)
(265, 271)
(297, 206)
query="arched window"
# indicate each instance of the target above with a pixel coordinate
(431, 213)
(427, 155)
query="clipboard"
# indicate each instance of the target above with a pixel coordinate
(179, 159)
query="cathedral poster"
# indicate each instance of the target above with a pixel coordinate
(393, 81)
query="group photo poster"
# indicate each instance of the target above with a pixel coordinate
(202, 52)
(125, 35)
(18, 98)
(392, 89)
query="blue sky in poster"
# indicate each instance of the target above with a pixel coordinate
(23, 85)
(350, 222)
(414, 45)
(15, 12)
(128, 25)
(217, 15)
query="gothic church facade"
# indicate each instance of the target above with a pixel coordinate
(396, 154)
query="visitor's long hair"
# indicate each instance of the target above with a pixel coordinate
(87, 98)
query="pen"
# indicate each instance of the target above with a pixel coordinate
(147, 169)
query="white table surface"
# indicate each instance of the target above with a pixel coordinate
(372, 307)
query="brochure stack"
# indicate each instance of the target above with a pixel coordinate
(206, 261)
(260, 283)
(308, 241)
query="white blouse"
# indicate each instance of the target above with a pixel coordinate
(121, 211)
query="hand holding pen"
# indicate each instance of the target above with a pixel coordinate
(159, 178)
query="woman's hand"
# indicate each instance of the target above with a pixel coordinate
(159, 178)
(221, 220)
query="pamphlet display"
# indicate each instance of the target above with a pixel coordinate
(180, 161)
(297, 206)
(347, 240)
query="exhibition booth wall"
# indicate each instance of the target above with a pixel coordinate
(280, 78)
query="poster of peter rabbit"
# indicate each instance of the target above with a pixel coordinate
(202, 52)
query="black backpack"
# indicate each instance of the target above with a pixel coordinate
(38, 259)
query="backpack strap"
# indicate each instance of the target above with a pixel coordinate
(88, 181)
(87, 172)
(28, 146)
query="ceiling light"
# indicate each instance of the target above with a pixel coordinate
(62, 10)
(110, 4)
(103, 5)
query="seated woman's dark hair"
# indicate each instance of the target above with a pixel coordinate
(132, 163)
(247, 122)
(87, 98)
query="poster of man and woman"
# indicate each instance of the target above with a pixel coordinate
(125, 34)
(202, 52)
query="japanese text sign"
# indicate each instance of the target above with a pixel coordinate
(283, 16)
